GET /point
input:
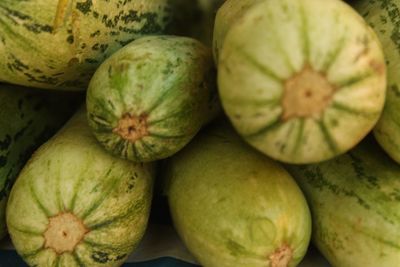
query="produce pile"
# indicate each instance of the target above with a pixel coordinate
(268, 125)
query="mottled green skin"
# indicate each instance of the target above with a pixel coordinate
(43, 47)
(170, 80)
(72, 173)
(355, 206)
(232, 206)
(383, 16)
(27, 119)
(274, 41)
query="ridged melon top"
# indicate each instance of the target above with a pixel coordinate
(74, 204)
(302, 81)
(151, 97)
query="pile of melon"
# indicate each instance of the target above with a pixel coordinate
(268, 124)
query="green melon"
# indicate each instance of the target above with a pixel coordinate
(151, 97)
(230, 12)
(59, 44)
(302, 81)
(232, 206)
(355, 206)
(76, 205)
(383, 16)
(27, 119)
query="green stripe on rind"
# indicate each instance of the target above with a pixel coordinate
(277, 122)
(299, 137)
(281, 50)
(121, 99)
(37, 201)
(331, 58)
(104, 196)
(343, 107)
(165, 136)
(138, 206)
(350, 81)
(31, 254)
(163, 96)
(258, 65)
(102, 123)
(256, 102)
(304, 33)
(146, 146)
(135, 152)
(105, 246)
(76, 188)
(78, 260)
(119, 145)
(328, 138)
(152, 121)
(60, 203)
(126, 147)
(26, 231)
(58, 259)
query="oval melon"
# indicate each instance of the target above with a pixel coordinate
(151, 97)
(232, 206)
(27, 119)
(76, 205)
(355, 206)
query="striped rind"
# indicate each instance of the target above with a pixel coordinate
(354, 201)
(168, 80)
(260, 53)
(383, 18)
(111, 196)
(59, 44)
(227, 177)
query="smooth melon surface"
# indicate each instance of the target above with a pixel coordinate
(232, 206)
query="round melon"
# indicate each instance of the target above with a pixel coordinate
(232, 206)
(151, 97)
(74, 204)
(59, 44)
(302, 81)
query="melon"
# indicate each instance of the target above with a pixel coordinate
(59, 44)
(302, 81)
(74, 204)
